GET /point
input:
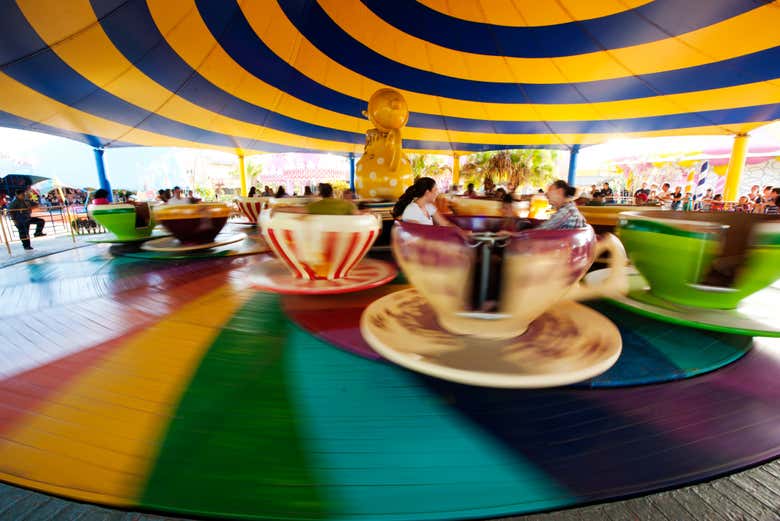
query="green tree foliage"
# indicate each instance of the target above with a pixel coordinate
(517, 168)
(430, 165)
(205, 193)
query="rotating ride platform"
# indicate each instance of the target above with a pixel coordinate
(176, 386)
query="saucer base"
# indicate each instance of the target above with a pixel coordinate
(272, 275)
(110, 238)
(172, 244)
(568, 344)
(236, 249)
(757, 315)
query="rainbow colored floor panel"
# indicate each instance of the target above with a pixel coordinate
(172, 386)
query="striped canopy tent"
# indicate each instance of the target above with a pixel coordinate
(294, 75)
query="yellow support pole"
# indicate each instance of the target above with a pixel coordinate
(736, 165)
(5, 235)
(242, 173)
(455, 168)
(68, 216)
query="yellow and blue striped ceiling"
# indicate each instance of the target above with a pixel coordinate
(294, 75)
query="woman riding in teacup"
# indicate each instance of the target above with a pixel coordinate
(567, 216)
(417, 204)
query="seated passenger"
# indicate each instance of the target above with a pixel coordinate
(743, 205)
(606, 193)
(567, 216)
(178, 197)
(100, 197)
(417, 204)
(328, 205)
(771, 206)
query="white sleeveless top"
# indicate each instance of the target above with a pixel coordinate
(413, 213)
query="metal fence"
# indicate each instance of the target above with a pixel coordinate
(59, 221)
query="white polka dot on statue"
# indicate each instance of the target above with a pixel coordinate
(372, 193)
(380, 161)
(393, 182)
(372, 175)
(360, 167)
(359, 183)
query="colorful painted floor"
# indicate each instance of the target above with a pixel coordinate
(750, 495)
(170, 386)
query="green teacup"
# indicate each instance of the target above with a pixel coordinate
(703, 259)
(127, 221)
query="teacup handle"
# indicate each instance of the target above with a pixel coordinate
(617, 281)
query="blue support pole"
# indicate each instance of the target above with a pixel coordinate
(101, 171)
(352, 171)
(575, 150)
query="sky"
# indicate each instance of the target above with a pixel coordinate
(73, 163)
(141, 168)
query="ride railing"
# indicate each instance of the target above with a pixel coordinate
(67, 220)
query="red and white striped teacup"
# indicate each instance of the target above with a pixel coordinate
(320, 247)
(251, 207)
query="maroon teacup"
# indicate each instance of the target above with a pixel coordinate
(529, 270)
(193, 223)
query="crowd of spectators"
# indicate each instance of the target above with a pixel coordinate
(757, 201)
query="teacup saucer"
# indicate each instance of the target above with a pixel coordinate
(273, 275)
(173, 244)
(113, 239)
(757, 315)
(568, 344)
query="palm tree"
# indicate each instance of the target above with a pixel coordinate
(429, 165)
(519, 167)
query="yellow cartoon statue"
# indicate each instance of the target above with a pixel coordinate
(384, 170)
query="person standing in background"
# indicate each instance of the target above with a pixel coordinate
(20, 210)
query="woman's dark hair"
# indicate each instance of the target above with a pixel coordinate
(568, 190)
(100, 194)
(252, 192)
(280, 192)
(325, 190)
(418, 189)
(307, 190)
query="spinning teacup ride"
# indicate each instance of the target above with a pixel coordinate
(128, 222)
(495, 307)
(194, 227)
(709, 270)
(320, 254)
